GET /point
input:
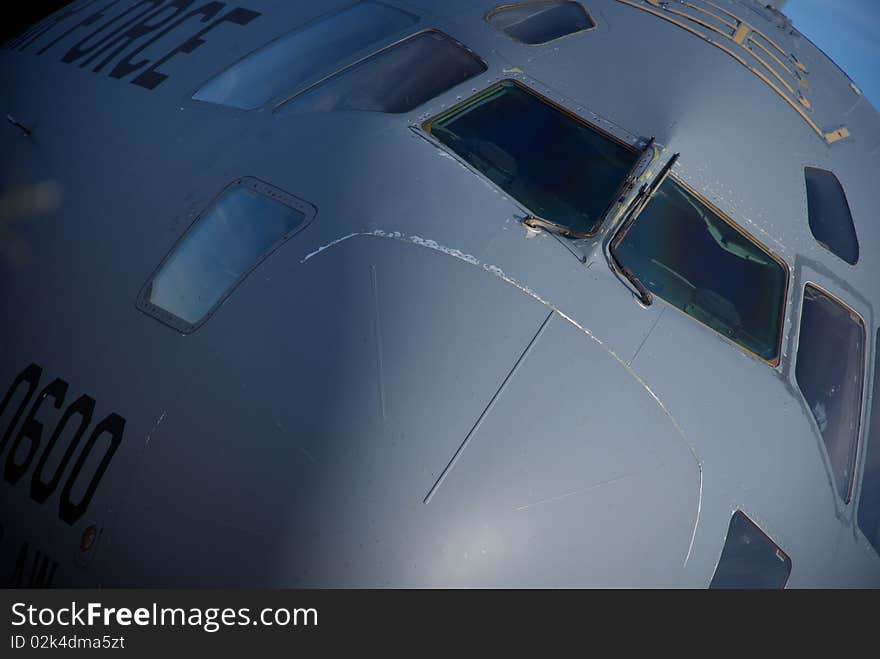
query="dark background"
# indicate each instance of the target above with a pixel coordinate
(18, 16)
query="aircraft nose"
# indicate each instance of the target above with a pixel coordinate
(331, 392)
(593, 485)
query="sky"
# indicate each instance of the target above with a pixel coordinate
(849, 33)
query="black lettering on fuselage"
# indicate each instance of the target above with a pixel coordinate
(31, 376)
(123, 34)
(28, 444)
(41, 574)
(121, 42)
(125, 66)
(83, 47)
(151, 78)
(31, 432)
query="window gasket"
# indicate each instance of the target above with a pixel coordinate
(259, 186)
(867, 446)
(789, 562)
(277, 105)
(530, 3)
(624, 227)
(425, 129)
(858, 433)
(846, 206)
(279, 99)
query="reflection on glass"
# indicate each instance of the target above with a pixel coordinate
(750, 559)
(397, 79)
(685, 253)
(831, 351)
(554, 164)
(539, 22)
(830, 218)
(219, 248)
(869, 499)
(289, 61)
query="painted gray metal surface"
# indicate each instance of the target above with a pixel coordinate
(417, 390)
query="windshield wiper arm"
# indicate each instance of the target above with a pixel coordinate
(629, 182)
(642, 198)
(645, 193)
(535, 222)
(643, 160)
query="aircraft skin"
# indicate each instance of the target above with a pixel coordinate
(415, 390)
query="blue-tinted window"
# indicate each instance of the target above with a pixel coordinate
(830, 368)
(537, 23)
(869, 498)
(687, 254)
(243, 225)
(282, 66)
(397, 79)
(555, 164)
(830, 218)
(750, 559)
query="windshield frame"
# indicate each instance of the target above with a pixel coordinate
(617, 236)
(864, 375)
(621, 190)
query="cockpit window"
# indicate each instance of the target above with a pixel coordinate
(830, 369)
(397, 79)
(869, 498)
(280, 67)
(248, 221)
(538, 23)
(686, 253)
(554, 163)
(750, 559)
(830, 218)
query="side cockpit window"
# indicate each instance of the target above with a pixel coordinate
(830, 218)
(551, 161)
(537, 23)
(279, 68)
(750, 559)
(869, 498)
(829, 371)
(246, 223)
(396, 79)
(686, 253)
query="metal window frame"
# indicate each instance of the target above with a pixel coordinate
(427, 124)
(788, 560)
(866, 445)
(859, 425)
(531, 3)
(276, 106)
(852, 220)
(622, 230)
(328, 71)
(267, 190)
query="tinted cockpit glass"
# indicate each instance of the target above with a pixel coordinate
(537, 23)
(830, 358)
(685, 253)
(397, 79)
(830, 218)
(289, 61)
(869, 499)
(556, 165)
(244, 224)
(750, 559)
